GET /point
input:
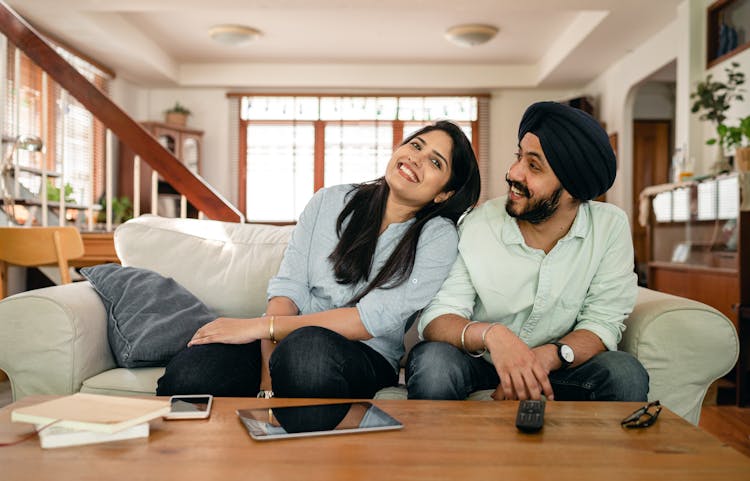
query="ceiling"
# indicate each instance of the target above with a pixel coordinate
(541, 43)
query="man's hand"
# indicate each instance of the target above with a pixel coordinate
(229, 330)
(522, 375)
(546, 354)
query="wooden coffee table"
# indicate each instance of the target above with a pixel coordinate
(461, 440)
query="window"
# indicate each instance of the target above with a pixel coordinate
(294, 145)
(73, 139)
(281, 170)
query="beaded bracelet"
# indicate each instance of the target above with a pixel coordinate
(463, 344)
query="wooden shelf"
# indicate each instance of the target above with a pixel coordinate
(712, 272)
(684, 267)
(36, 171)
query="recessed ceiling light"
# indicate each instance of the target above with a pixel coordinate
(233, 34)
(470, 35)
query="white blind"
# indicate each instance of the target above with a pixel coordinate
(707, 200)
(71, 135)
(729, 198)
(280, 175)
(681, 205)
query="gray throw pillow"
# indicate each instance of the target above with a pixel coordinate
(150, 318)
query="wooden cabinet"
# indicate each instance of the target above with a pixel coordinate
(185, 144)
(698, 248)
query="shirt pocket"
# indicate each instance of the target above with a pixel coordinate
(565, 316)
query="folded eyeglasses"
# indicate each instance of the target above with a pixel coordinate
(643, 417)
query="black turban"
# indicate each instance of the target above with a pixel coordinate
(576, 146)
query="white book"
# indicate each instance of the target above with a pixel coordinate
(93, 412)
(59, 437)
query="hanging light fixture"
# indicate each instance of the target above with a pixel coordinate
(470, 35)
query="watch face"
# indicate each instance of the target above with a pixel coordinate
(567, 353)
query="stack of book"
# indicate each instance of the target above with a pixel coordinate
(90, 418)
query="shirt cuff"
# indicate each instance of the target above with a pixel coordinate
(609, 335)
(297, 295)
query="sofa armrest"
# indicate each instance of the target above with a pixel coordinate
(684, 345)
(52, 339)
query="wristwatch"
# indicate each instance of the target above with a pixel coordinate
(565, 353)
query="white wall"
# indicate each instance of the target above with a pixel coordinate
(210, 108)
(210, 113)
(654, 101)
(616, 90)
(706, 130)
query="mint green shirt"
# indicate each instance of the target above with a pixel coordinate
(585, 282)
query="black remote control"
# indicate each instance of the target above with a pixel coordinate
(530, 417)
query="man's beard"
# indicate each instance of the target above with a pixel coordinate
(538, 210)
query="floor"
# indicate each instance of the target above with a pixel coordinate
(731, 424)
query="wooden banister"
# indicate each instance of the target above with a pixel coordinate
(198, 192)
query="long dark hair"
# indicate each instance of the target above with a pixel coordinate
(352, 257)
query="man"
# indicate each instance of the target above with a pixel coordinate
(536, 300)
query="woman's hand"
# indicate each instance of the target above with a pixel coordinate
(229, 330)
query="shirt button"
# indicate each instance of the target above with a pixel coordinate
(414, 281)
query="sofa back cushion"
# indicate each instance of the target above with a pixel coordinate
(225, 265)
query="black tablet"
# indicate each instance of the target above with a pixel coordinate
(316, 420)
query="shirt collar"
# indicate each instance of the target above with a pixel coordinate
(511, 234)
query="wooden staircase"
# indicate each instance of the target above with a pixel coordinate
(199, 193)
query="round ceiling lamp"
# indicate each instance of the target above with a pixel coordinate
(233, 34)
(470, 35)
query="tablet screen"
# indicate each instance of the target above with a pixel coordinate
(316, 420)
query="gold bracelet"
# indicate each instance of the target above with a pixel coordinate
(270, 329)
(463, 344)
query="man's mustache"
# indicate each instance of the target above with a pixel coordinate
(518, 186)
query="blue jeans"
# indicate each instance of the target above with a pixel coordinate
(317, 362)
(437, 370)
(310, 362)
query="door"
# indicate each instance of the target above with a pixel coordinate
(651, 152)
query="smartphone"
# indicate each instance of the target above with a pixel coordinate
(190, 406)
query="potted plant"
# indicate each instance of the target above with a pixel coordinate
(53, 192)
(739, 138)
(122, 209)
(713, 99)
(177, 115)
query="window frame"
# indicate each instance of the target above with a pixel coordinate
(320, 127)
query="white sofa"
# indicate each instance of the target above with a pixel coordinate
(54, 340)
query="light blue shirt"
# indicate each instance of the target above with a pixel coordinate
(306, 274)
(585, 282)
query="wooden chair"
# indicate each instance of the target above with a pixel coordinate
(38, 246)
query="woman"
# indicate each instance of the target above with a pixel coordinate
(362, 260)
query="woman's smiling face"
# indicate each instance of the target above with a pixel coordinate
(420, 169)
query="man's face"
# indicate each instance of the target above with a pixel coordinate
(534, 191)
